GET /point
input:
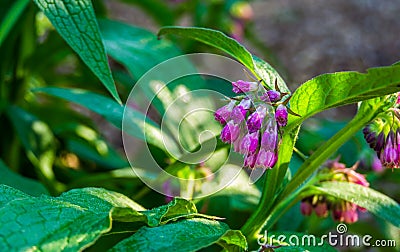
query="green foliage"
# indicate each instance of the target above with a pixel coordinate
(217, 39)
(337, 89)
(76, 23)
(139, 50)
(66, 142)
(12, 179)
(11, 18)
(181, 237)
(77, 218)
(111, 111)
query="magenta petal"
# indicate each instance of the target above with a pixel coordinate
(230, 132)
(250, 160)
(222, 115)
(241, 86)
(281, 115)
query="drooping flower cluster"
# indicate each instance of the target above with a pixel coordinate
(251, 123)
(343, 211)
(383, 136)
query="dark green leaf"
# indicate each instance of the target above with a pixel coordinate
(76, 22)
(15, 180)
(113, 112)
(337, 89)
(8, 21)
(102, 154)
(185, 235)
(374, 201)
(70, 222)
(219, 40)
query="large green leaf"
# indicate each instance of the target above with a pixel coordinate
(77, 218)
(374, 201)
(186, 235)
(140, 126)
(230, 46)
(76, 22)
(136, 48)
(337, 89)
(70, 222)
(15, 180)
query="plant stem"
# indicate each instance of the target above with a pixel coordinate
(273, 178)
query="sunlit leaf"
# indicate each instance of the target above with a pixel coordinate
(337, 89)
(70, 222)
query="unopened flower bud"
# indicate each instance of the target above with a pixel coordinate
(249, 143)
(255, 120)
(281, 115)
(241, 86)
(306, 208)
(223, 114)
(230, 132)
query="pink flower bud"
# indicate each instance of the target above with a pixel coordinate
(223, 114)
(230, 132)
(241, 86)
(281, 115)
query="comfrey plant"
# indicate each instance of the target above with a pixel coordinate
(383, 136)
(252, 126)
(262, 123)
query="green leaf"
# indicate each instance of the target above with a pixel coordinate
(9, 20)
(367, 111)
(185, 235)
(174, 209)
(233, 240)
(217, 39)
(71, 222)
(136, 48)
(112, 112)
(337, 89)
(39, 143)
(29, 186)
(105, 155)
(374, 201)
(76, 22)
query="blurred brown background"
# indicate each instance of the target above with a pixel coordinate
(311, 37)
